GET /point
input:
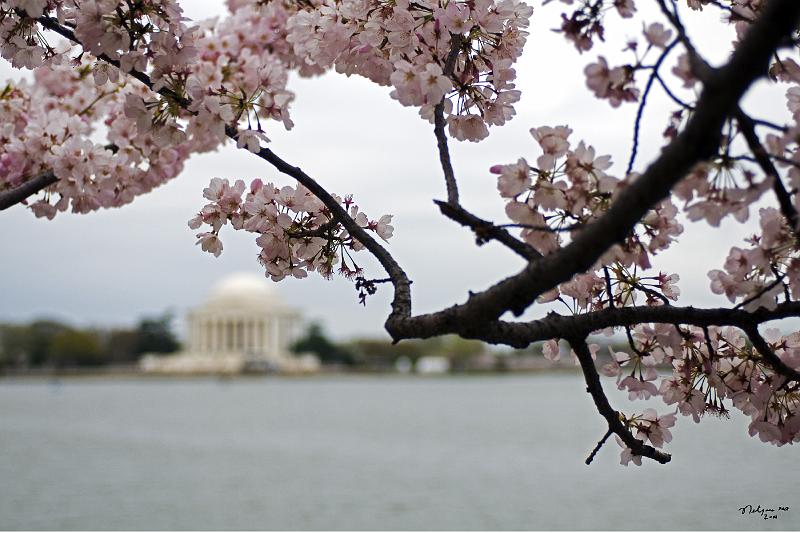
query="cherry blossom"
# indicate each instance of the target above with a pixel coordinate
(294, 229)
(121, 94)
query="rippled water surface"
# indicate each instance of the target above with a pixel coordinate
(363, 453)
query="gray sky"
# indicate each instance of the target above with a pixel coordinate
(110, 267)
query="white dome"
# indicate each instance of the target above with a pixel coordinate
(244, 289)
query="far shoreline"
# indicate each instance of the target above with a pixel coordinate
(121, 375)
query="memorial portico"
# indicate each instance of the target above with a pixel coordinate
(243, 315)
(243, 324)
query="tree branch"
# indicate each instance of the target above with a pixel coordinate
(698, 141)
(769, 356)
(672, 95)
(401, 304)
(700, 68)
(643, 103)
(452, 209)
(486, 231)
(36, 184)
(595, 388)
(598, 446)
(323, 231)
(29, 188)
(747, 127)
(477, 318)
(456, 40)
(54, 26)
(777, 281)
(522, 334)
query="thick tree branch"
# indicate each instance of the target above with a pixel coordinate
(595, 388)
(699, 141)
(523, 334)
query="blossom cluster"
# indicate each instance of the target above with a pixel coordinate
(720, 188)
(139, 35)
(569, 188)
(212, 77)
(647, 427)
(408, 45)
(296, 232)
(205, 80)
(52, 125)
(713, 370)
(766, 271)
(130, 89)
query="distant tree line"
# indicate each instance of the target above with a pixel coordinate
(54, 344)
(381, 354)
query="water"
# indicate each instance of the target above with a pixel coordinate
(363, 453)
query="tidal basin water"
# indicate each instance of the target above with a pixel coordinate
(364, 453)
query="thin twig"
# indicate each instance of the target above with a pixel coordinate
(608, 289)
(456, 40)
(760, 293)
(747, 127)
(778, 158)
(643, 103)
(699, 66)
(546, 229)
(769, 356)
(672, 95)
(650, 292)
(768, 124)
(486, 231)
(598, 446)
(710, 348)
(322, 231)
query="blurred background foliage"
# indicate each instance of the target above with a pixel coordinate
(50, 345)
(53, 344)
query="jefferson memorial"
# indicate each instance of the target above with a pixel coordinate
(244, 325)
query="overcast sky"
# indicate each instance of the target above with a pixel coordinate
(110, 267)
